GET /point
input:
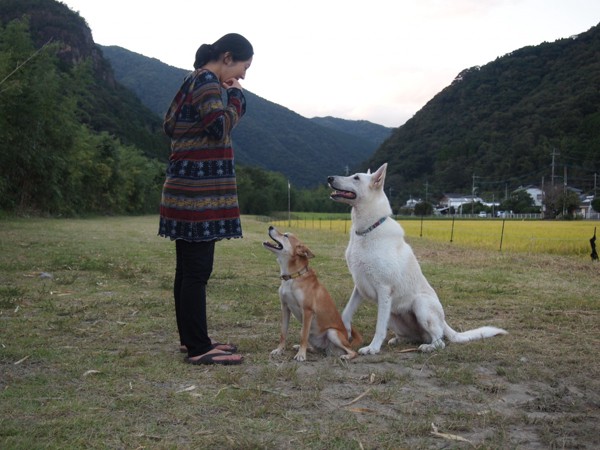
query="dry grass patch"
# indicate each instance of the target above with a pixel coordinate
(89, 354)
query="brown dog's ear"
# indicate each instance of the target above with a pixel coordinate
(303, 250)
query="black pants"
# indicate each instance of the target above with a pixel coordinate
(193, 269)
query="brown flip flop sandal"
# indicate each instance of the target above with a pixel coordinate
(231, 348)
(213, 358)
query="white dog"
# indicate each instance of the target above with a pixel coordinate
(385, 269)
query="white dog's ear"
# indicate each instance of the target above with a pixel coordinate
(379, 177)
(303, 250)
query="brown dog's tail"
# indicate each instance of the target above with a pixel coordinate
(356, 339)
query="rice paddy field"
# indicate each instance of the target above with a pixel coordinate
(529, 236)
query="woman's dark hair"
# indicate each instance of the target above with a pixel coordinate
(239, 47)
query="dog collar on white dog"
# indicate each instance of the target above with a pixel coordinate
(294, 275)
(372, 227)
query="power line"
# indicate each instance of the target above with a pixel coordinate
(34, 54)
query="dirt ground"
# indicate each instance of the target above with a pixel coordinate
(407, 393)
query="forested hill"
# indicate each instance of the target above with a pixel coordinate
(496, 126)
(359, 128)
(103, 104)
(270, 136)
(72, 139)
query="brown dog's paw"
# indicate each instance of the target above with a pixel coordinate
(300, 356)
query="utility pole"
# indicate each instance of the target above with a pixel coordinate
(543, 208)
(289, 204)
(473, 194)
(554, 154)
(565, 193)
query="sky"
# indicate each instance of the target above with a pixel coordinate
(375, 60)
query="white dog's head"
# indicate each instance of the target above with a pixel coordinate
(358, 188)
(290, 251)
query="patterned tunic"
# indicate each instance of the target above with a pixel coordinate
(199, 198)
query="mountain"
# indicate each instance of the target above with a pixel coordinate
(529, 117)
(270, 136)
(104, 104)
(364, 129)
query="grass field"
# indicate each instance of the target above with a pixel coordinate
(89, 351)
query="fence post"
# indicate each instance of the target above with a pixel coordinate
(502, 234)
(452, 232)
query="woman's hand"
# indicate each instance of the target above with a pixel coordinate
(232, 83)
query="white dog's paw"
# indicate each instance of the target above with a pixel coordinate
(277, 352)
(368, 350)
(394, 341)
(428, 348)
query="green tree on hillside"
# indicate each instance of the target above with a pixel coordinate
(49, 161)
(36, 122)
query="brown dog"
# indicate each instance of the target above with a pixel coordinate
(306, 298)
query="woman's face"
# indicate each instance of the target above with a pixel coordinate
(236, 69)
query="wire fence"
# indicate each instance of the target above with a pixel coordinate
(503, 235)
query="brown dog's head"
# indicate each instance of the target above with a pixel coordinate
(290, 251)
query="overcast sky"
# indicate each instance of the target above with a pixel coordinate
(377, 60)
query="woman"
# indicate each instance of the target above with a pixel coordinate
(199, 204)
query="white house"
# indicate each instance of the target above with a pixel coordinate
(411, 203)
(457, 200)
(534, 192)
(585, 208)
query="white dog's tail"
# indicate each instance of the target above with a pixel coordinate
(471, 335)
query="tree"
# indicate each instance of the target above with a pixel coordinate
(49, 161)
(423, 209)
(261, 192)
(519, 202)
(559, 201)
(36, 119)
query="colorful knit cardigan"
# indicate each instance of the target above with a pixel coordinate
(199, 198)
